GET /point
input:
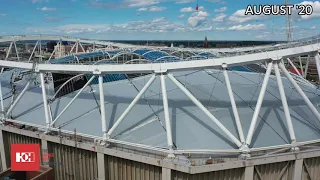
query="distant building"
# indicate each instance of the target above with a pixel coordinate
(65, 50)
(206, 43)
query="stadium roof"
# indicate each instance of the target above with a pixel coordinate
(191, 128)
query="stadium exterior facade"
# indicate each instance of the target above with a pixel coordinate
(167, 113)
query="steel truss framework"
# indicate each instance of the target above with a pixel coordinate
(273, 58)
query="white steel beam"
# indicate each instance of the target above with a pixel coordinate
(17, 53)
(73, 47)
(317, 59)
(77, 46)
(19, 97)
(166, 111)
(45, 101)
(1, 97)
(34, 49)
(299, 90)
(233, 104)
(301, 68)
(205, 110)
(294, 67)
(82, 47)
(9, 51)
(60, 48)
(259, 103)
(307, 66)
(284, 103)
(72, 100)
(102, 108)
(129, 108)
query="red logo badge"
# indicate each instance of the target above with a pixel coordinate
(25, 157)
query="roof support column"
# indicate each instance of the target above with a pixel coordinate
(166, 114)
(298, 169)
(101, 166)
(249, 173)
(166, 173)
(129, 108)
(285, 104)
(45, 102)
(299, 90)
(102, 108)
(205, 110)
(72, 100)
(317, 59)
(233, 104)
(258, 105)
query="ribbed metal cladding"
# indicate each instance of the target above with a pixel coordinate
(311, 168)
(122, 169)
(274, 171)
(71, 163)
(230, 174)
(12, 138)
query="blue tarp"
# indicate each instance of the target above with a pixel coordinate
(80, 56)
(154, 55)
(239, 68)
(108, 78)
(209, 55)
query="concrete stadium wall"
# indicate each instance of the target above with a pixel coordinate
(83, 161)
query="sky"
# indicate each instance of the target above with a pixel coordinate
(153, 19)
